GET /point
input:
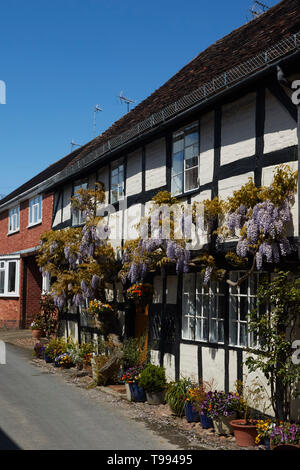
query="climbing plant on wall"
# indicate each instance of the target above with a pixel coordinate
(79, 259)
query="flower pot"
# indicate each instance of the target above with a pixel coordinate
(206, 421)
(191, 414)
(244, 434)
(284, 446)
(156, 398)
(137, 393)
(128, 392)
(266, 443)
(37, 334)
(222, 424)
(48, 359)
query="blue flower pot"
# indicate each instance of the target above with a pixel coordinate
(137, 393)
(266, 443)
(48, 359)
(192, 416)
(206, 422)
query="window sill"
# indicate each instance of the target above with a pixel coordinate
(9, 296)
(34, 225)
(187, 193)
(13, 232)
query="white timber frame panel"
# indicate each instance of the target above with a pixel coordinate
(155, 164)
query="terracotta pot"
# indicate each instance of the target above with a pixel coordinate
(36, 334)
(244, 434)
(284, 446)
(222, 424)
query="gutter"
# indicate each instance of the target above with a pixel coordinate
(95, 156)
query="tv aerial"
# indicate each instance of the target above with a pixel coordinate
(125, 100)
(96, 110)
(257, 9)
(73, 144)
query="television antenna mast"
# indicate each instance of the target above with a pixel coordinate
(125, 100)
(258, 8)
(96, 109)
(73, 144)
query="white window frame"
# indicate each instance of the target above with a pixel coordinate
(4, 267)
(196, 314)
(35, 203)
(77, 216)
(14, 219)
(185, 131)
(235, 293)
(120, 186)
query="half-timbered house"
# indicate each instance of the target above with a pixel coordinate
(222, 118)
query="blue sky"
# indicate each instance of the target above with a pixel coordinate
(59, 58)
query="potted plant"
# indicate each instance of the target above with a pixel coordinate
(153, 380)
(245, 429)
(264, 428)
(221, 407)
(64, 360)
(131, 377)
(176, 395)
(191, 409)
(37, 327)
(54, 348)
(285, 436)
(140, 293)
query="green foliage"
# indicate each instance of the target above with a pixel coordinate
(55, 347)
(153, 378)
(274, 322)
(176, 395)
(133, 352)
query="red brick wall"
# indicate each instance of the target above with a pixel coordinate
(18, 312)
(26, 237)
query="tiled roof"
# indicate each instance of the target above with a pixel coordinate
(245, 42)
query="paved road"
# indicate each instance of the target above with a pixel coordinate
(40, 411)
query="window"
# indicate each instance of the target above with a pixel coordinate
(242, 300)
(77, 215)
(185, 163)
(203, 309)
(14, 220)
(35, 210)
(117, 183)
(9, 277)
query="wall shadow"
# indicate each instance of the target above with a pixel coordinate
(6, 443)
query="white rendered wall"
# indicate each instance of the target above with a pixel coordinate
(229, 185)
(206, 164)
(156, 164)
(58, 214)
(189, 361)
(280, 128)
(103, 177)
(232, 370)
(134, 173)
(132, 217)
(213, 367)
(238, 129)
(67, 194)
(169, 365)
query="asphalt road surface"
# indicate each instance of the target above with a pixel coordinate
(39, 411)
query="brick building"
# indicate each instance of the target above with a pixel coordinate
(24, 215)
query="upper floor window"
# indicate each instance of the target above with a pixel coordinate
(14, 220)
(9, 277)
(185, 160)
(117, 182)
(242, 300)
(77, 215)
(35, 210)
(203, 309)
